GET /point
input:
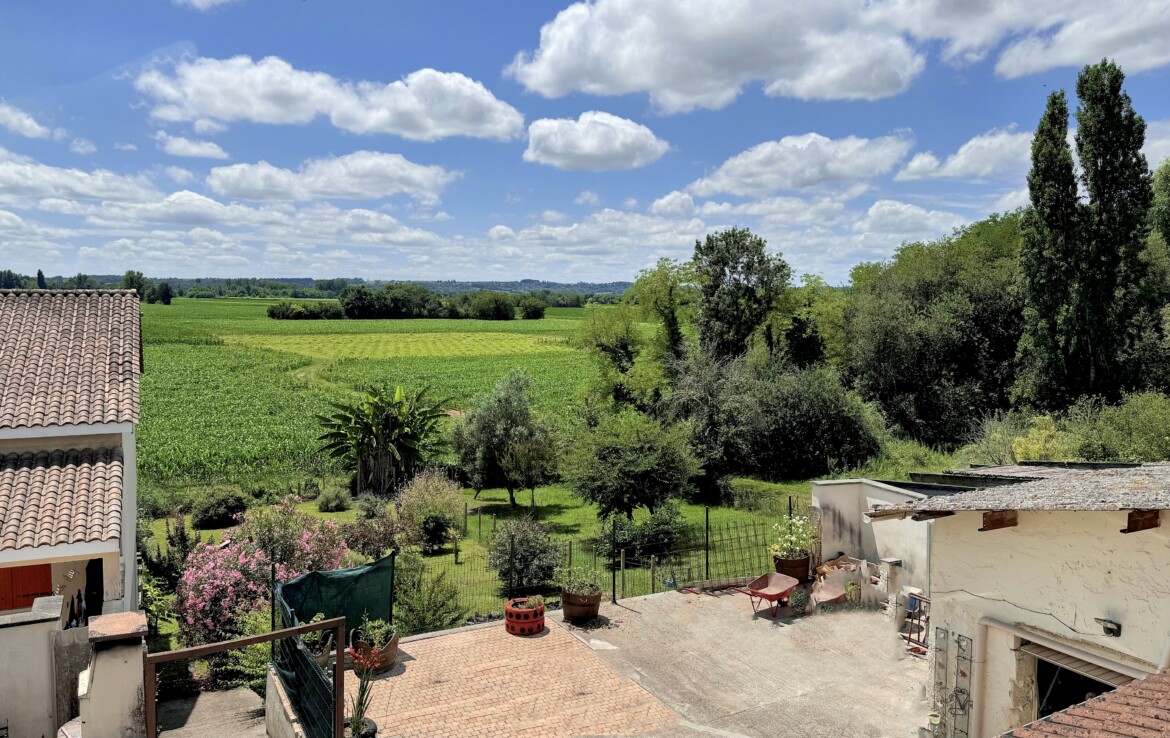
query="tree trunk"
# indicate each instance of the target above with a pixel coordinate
(512, 497)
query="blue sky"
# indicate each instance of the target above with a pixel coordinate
(507, 140)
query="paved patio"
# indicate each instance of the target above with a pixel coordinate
(670, 664)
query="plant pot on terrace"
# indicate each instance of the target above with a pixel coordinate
(524, 616)
(375, 642)
(369, 729)
(792, 551)
(580, 594)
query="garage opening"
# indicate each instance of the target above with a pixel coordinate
(1063, 681)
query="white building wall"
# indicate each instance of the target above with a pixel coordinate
(843, 505)
(27, 696)
(1050, 575)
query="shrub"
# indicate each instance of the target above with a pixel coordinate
(1043, 442)
(531, 603)
(333, 500)
(1135, 430)
(375, 633)
(430, 496)
(298, 541)
(798, 602)
(316, 310)
(311, 490)
(217, 509)
(532, 308)
(658, 534)
(370, 506)
(372, 537)
(248, 666)
(491, 305)
(577, 581)
(523, 554)
(426, 604)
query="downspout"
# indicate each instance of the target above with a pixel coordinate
(979, 680)
(1164, 662)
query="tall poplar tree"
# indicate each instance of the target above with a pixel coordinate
(1084, 314)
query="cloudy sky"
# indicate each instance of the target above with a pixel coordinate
(510, 139)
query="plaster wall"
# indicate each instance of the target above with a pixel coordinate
(844, 503)
(280, 720)
(1052, 575)
(27, 697)
(111, 692)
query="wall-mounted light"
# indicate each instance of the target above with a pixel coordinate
(1111, 628)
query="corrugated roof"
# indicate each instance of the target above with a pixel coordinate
(68, 357)
(1140, 709)
(60, 497)
(1145, 487)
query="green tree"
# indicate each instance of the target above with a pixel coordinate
(631, 461)
(10, 280)
(133, 280)
(739, 284)
(488, 435)
(164, 293)
(383, 437)
(532, 308)
(660, 292)
(1160, 209)
(81, 282)
(1085, 316)
(41, 280)
(491, 305)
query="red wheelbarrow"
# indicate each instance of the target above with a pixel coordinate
(771, 587)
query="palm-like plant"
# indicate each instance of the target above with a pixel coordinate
(383, 436)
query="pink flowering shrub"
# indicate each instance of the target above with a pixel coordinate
(221, 584)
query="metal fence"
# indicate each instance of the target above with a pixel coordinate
(708, 555)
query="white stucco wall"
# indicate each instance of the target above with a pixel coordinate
(27, 697)
(111, 692)
(843, 504)
(1051, 575)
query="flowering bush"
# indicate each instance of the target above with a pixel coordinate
(794, 538)
(222, 584)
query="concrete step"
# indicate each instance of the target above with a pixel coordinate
(237, 713)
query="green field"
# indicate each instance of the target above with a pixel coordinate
(230, 396)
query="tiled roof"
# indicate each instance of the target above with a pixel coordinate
(60, 497)
(1145, 487)
(1023, 471)
(68, 356)
(1140, 709)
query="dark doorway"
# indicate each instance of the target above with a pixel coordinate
(1058, 688)
(93, 588)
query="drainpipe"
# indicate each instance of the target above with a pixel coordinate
(1164, 662)
(979, 680)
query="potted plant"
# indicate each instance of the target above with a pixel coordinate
(377, 643)
(364, 665)
(580, 593)
(798, 602)
(793, 547)
(524, 616)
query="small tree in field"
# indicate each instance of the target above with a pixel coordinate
(497, 425)
(630, 461)
(383, 437)
(164, 294)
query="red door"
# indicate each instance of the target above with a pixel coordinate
(20, 585)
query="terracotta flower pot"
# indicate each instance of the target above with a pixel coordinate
(522, 621)
(795, 568)
(580, 607)
(384, 656)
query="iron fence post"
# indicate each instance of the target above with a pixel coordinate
(706, 543)
(613, 561)
(464, 518)
(511, 565)
(272, 604)
(790, 507)
(393, 568)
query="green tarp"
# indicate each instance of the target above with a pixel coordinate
(343, 592)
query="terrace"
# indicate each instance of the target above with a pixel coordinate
(669, 664)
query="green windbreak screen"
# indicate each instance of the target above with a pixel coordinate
(343, 592)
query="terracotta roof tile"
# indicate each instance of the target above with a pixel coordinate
(60, 497)
(68, 356)
(1140, 709)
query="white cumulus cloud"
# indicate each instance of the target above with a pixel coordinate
(890, 217)
(807, 160)
(201, 4)
(18, 121)
(362, 175)
(426, 105)
(697, 53)
(997, 152)
(595, 142)
(82, 146)
(587, 197)
(179, 146)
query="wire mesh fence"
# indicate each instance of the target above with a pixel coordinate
(707, 555)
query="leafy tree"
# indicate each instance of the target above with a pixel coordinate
(10, 280)
(41, 280)
(532, 308)
(660, 292)
(932, 334)
(81, 282)
(495, 424)
(1086, 319)
(631, 461)
(491, 305)
(739, 284)
(164, 293)
(332, 286)
(629, 375)
(531, 457)
(1160, 209)
(133, 280)
(383, 437)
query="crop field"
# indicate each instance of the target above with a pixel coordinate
(231, 396)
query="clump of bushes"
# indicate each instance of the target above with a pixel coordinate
(531, 308)
(660, 533)
(316, 310)
(333, 500)
(424, 604)
(218, 509)
(523, 554)
(429, 509)
(492, 305)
